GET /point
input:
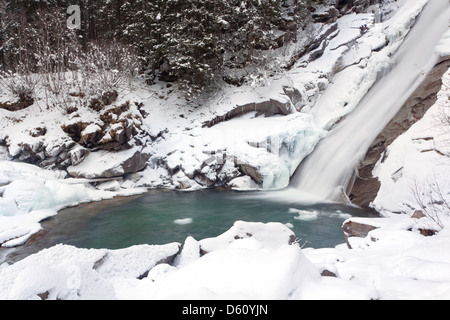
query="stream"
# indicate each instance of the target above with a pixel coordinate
(162, 217)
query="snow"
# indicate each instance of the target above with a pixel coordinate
(101, 163)
(304, 214)
(30, 195)
(416, 161)
(252, 260)
(443, 48)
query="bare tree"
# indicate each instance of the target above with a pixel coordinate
(431, 200)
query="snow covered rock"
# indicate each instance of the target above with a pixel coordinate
(252, 260)
(356, 229)
(104, 164)
(17, 106)
(414, 169)
(68, 273)
(259, 235)
(267, 107)
(113, 130)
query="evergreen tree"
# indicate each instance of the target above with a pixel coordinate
(189, 41)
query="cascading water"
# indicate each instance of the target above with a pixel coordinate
(330, 168)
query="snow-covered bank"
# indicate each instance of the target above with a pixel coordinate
(414, 172)
(29, 195)
(251, 261)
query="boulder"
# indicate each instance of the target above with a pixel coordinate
(243, 184)
(252, 172)
(356, 229)
(268, 108)
(103, 164)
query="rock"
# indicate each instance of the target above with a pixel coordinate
(357, 6)
(355, 229)
(183, 182)
(103, 164)
(78, 154)
(268, 108)
(90, 136)
(107, 98)
(165, 261)
(327, 273)
(295, 96)
(252, 172)
(129, 262)
(115, 130)
(428, 232)
(243, 183)
(17, 106)
(327, 17)
(418, 214)
(326, 34)
(207, 179)
(38, 132)
(112, 185)
(44, 295)
(269, 235)
(366, 186)
(136, 163)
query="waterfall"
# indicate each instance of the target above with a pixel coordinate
(330, 169)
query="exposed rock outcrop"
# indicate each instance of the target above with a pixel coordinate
(355, 229)
(358, 6)
(23, 103)
(268, 108)
(105, 164)
(113, 131)
(366, 186)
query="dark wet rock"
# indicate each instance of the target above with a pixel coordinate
(268, 108)
(327, 273)
(252, 172)
(355, 229)
(17, 106)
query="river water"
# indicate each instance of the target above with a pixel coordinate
(162, 217)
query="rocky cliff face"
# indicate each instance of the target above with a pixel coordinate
(366, 186)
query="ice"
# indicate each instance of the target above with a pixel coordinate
(274, 145)
(183, 221)
(304, 215)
